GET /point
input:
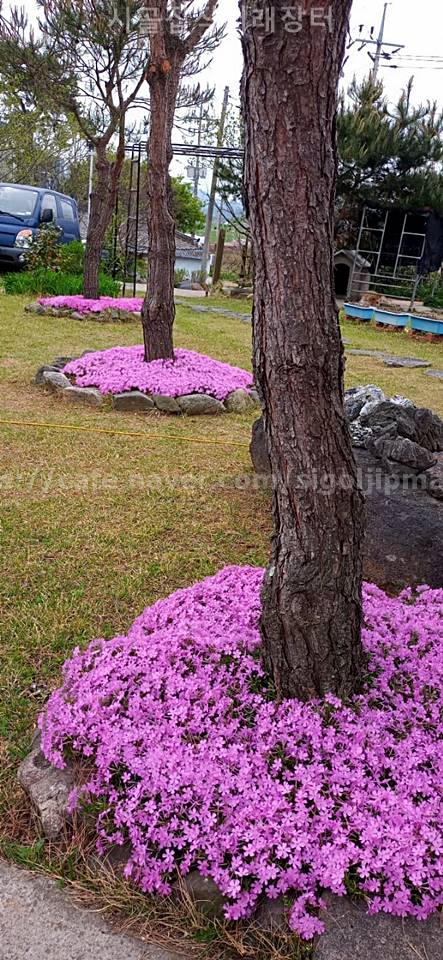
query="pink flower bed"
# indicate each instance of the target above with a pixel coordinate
(133, 304)
(196, 766)
(123, 368)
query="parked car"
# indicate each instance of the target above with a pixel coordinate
(23, 210)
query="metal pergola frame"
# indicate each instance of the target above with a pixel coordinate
(137, 152)
(381, 279)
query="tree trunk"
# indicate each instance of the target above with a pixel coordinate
(102, 208)
(159, 309)
(311, 617)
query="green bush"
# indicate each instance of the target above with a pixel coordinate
(44, 250)
(434, 299)
(43, 282)
(179, 276)
(72, 258)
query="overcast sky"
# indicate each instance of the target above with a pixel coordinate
(419, 26)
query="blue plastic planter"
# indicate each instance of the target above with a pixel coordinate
(391, 319)
(427, 324)
(356, 312)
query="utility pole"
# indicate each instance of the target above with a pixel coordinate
(379, 48)
(199, 140)
(379, 44)
(213, 190)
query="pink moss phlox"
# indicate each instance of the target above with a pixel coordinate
(196, 766)
(123, 368)
(81, 305)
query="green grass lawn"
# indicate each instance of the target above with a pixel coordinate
(94, 526)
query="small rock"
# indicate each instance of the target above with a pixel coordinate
(351, 934)
(115, 859)
(35, 308)
(358, 397)
(133, 401)
(404, 402)
(76, 315)
(238, 401)
(205, 894)
(48, 788)
(86, 395)
(272, 915)
(46, 368)
(60, 362)
(241, 293)
(166, 404)
(360, 436)
(195, 404)
(55, 381)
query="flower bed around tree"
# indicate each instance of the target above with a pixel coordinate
(123, 368)
(197, 767)
(82, 305)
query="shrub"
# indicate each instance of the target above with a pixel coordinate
(179, 276)
(72, 258)
(44, 250)
(434, 299)
(44, 281)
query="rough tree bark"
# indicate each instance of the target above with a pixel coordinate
(102, 208)
(158, 310)
(169, 50)
(311, 616)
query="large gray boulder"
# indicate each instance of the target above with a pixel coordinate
(388, 416)
(398, 452)
(404, 525)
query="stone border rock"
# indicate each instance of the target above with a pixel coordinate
(50, 375)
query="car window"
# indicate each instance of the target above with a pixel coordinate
(67, 210)
(17, 201)
(49, 203)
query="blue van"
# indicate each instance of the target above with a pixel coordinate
(22, 211)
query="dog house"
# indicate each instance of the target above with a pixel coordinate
(349, 263)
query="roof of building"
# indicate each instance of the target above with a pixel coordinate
(185, 245)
